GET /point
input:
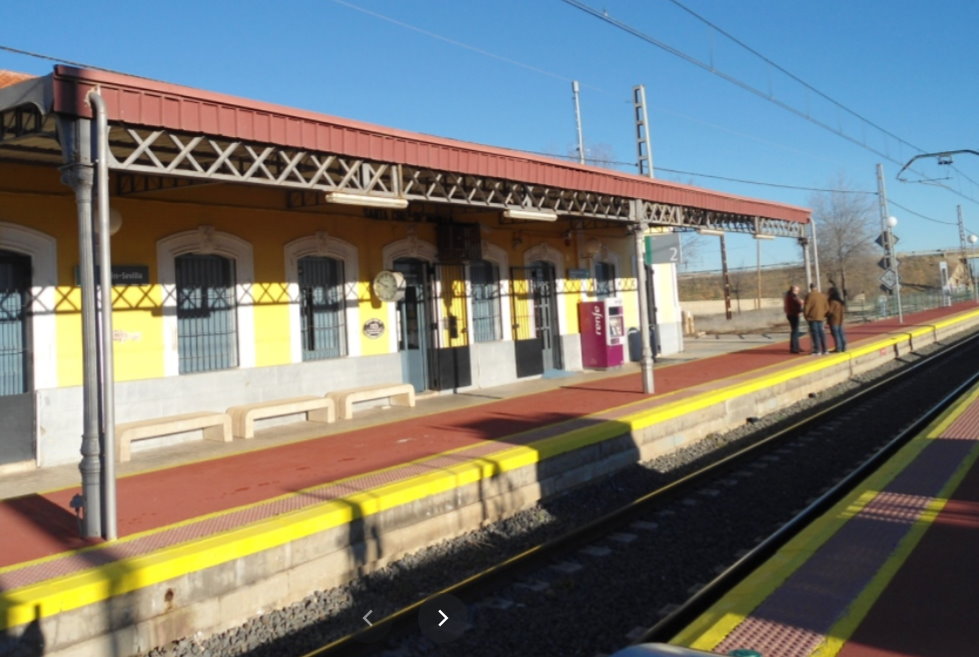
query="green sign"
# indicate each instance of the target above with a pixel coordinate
(663, 249)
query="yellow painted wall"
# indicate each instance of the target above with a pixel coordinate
(34, 197)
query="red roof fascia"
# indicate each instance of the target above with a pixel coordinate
(151, 103)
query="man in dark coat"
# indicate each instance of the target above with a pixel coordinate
(815, 310)
(792, 305)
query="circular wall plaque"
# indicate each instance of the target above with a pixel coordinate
(373, 328)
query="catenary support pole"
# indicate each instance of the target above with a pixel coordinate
(726, 279)
(575, 92)
(106, 360)
(646, 360)
(804, 243)
(79, 175)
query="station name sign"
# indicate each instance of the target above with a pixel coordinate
(122, 275)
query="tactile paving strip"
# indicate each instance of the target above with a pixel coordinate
(795, 620)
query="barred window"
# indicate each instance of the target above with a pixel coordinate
(604, 280)
(322, 305)
(207, 332)
(15, 296)
(485, 279)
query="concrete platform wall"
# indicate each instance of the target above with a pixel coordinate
(59, 410)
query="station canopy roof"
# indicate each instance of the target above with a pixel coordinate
(163, 135)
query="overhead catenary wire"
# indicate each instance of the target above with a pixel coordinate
(712, 69)
(808, 86)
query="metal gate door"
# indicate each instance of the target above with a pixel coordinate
(535, 330)
(414, 322)
(545, 313)
(450, 363)
(16, 384)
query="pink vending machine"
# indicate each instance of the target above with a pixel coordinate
(602, 333)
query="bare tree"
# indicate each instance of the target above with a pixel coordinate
(599, 154)
(692, 245)
(844, 227)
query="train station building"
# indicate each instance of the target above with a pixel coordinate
(261, 252)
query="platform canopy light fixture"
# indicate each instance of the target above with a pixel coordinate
(530, 215)
(710, 231)
(350, 198)
(763, 236)
(115, 222)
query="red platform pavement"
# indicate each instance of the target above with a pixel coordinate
(41, 525)
(891, 571)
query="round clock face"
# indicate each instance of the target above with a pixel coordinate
(389, 285)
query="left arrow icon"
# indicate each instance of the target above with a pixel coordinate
(369, 624)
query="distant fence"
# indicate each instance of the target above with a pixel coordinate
(709, 316)
(885, 305)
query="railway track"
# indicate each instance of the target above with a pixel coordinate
(629, 575)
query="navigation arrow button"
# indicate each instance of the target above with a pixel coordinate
(369, 624)
(443, 618)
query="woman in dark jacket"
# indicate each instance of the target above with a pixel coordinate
(837, 307)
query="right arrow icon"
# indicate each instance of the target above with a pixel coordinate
(444, 618)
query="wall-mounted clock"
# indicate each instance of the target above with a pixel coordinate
(389, 285)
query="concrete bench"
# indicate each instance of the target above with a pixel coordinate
(401, 394)
(317, 409)
(216, 426)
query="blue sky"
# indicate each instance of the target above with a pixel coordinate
(499, 73)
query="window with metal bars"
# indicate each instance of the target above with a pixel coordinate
(604, 280)
(322, 306)
(207, 327)
(15, 295)
(484, 276)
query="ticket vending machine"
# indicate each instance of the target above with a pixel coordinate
(602, 328)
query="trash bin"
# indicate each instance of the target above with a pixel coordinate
(635, 344)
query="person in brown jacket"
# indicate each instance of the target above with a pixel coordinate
(815, 310)
(837, 308)
(792, 305)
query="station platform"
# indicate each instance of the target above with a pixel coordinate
(211, 533)
(890, 571)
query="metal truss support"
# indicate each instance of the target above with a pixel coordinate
(159, 154)
(20, 122)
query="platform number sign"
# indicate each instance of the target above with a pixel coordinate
(663, 249)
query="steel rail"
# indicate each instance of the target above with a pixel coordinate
(359, 641)
(670, 625)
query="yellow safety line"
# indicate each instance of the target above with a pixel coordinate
(68, 592)
(712, 627)
(841, 632)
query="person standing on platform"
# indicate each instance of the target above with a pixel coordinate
(793, 308)
(837, 308)
(815, 310)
